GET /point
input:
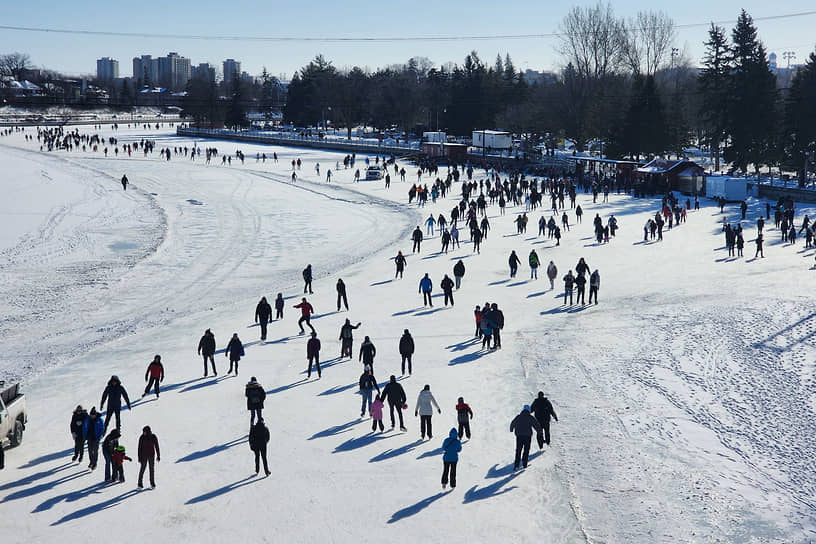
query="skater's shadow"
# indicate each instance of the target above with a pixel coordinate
(142, 401)
(337, 389)
(93, 509)
(212, 450)
(409, 511)
(532, 295)
(376, 283)
(362, 441)
(467, 358)
(172, 386)
(201, 385)
(292, 385)
(495, 489)
(498, 282)
(45, 458)
(337, 429)
(282, 340)
(71, 496)
(460, 257)
(431, 453)
(391, 453)
(463, 345)
(226, 489)
(428, 312)
(405, 312)
(517, 283)
(39, 475)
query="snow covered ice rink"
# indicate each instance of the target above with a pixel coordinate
(685, 398)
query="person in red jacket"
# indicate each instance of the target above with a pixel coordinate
(155, 371)
(148, 451)
(118, 458)
(463, 415)
(313, 353)
(306, 311)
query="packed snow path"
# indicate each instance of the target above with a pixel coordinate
(684, 398)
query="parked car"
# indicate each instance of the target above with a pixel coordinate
(13, 416)
(374, 173)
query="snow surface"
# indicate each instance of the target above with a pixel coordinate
(685, 398)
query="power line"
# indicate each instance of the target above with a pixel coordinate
(368, 39)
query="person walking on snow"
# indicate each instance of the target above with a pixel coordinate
(78, 419)
(313, 354)
(523, 426)
(206, 348)
(429, 225)
(463, 416)
(279, 306)
(307, 279)
(93, 430)
(367, 353)
(367, 386)
(263, 315)
(124, 182)
(347, 338)
(258, 439)
(580, 284)
(552, 273)
(424, 409)
(406, 349)
(395, 395)
(426, 287)
(109, 445)
(255, 395)
(234, 350)
(341, 294)
(459, 272)
(594, 285)
(497, 318)
(543, 410)
(376, 411)
(306, 311)
(417, 238)
(514, 263)
(569, 281)
(451, 447)
(447, 288)
(148, 454)
(400, 261)
(113, 393)
(534, 262)
(155, 370)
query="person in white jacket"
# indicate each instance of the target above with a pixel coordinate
(424, 409)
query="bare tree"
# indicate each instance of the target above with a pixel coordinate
(591, 39)
(15, 65)
(647, 39)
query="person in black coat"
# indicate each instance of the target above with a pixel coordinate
(400, 261)
(258, 439)
(77, 421)
(279, 306)
(234, 350)
(341, 294)
(523, 425)
(206, 348)
(543, 410)
(447, 288)
(307, 279)
(497, 316)
(113, 394)
(255, 396)
(367, 353)
(395, 395)
(263, 315)
(514, 262)
(417, 238)
(406, 349)
(459, 272)
(108, 446)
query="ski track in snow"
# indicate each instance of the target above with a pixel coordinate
(685, 398)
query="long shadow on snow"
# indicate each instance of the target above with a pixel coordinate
(110, 503)
(39, 475)
(337, 429)
(45, 458)
(468, 357)
(388, 454)
(226, 489)
(23, 493)
(284, 339)
(292, 385)
(477, 493)
(499, 282)
(409, 511)
(337, 389)
(498, 472)
(327, 364)
(405, 312)
(432, 453)
(461, 257)
(463, 345)
(212, 450)
(70, 496)
(531, 295)
(201, 385)
(376, 283)
(362, 441)
(431, 311)
(172, 386)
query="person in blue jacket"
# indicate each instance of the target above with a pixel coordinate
(426, 287)
(450, 456)
(93, 429)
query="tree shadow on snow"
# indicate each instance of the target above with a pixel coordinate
(362, 441)
(104, 505)
(38, 476)
(477, 493)
(337, 429)
(390, 453)
(409, 511)
(226, 489)
(213, 450)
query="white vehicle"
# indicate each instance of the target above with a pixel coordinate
(374, 173)
(13, 415)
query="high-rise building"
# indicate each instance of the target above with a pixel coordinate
(204, 71)
(146, 70)
(232, 68)
(174, 71)
(107, 69)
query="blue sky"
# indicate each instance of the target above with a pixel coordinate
(77, 54)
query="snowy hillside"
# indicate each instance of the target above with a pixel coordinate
(685, 397)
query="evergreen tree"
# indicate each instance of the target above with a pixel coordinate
(645, 129)
(714, 90)
(752, 100)
(800, 120)
(236, 113)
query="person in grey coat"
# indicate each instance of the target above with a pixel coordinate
(523, 425)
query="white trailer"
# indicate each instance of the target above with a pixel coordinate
(435, 137)
(492, 139)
